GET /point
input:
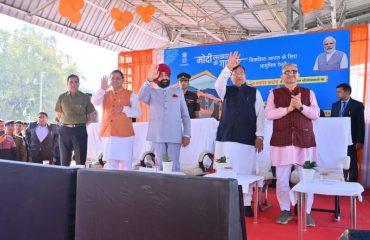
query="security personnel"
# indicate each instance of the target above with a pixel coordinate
(191, 98)
(20, 144)
(74, 110)
(19, 133)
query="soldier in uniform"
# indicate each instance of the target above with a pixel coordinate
(169, 123)
(20, 145)
(191, 98)
(19, 133)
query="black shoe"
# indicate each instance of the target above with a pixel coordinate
(248, 212)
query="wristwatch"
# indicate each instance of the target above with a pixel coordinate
(301, 108)
(260, 137)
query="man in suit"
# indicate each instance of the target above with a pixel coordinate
(42, 139)
(348, 107)
(169, 123)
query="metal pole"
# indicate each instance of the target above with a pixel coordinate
(304, 211)
(353, 212)
(300, 225)
(255, 201)
(41, 80)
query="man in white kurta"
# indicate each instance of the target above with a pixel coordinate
(119, 107)
(241, 129)
(292, 108)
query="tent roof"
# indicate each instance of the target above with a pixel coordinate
(181, 22)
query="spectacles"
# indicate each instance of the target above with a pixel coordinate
(184, 80)
(289, 72)
(329, 43)
(238, 72)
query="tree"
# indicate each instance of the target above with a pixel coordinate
(25, 55)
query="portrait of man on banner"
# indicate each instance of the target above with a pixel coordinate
(331, 59)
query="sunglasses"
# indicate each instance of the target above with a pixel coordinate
(184, 80)
(288, 72)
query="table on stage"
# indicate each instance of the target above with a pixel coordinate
(245, 181)
(324, 187)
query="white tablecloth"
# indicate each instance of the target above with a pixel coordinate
(327, 187)
(203, 135)
(244, 180)
(333, 135)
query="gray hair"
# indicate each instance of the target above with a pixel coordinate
(288, 65)
(329, 38)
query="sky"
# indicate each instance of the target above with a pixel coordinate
(92, 68)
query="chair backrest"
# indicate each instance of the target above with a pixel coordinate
(333, 135)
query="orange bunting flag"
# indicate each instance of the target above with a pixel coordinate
(145, 13)
(121, 19)
(308, 5)
(70, 9)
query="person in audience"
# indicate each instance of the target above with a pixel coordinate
(241, 129)
(2, 125)
(19, 133)
(56, 151)
(24, 128)
(191, 98)
(119, 107)
(8, 149)
(42, 138)
(74, 110)
(349, 107)
(330, 59)
(95, 118)
(322, 113)
(19, 142)
(169, 123)
(292, 109)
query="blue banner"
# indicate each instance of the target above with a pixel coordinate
(263, 59)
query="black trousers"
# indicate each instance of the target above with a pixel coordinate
(73, 139)
(38, 158)
(352, 174)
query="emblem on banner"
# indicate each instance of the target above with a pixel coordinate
(184, 59)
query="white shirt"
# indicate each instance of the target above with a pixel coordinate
(220, 87)
(41, 132)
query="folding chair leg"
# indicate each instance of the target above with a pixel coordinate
(337, 209)
(263, 204)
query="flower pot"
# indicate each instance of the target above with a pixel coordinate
(167, 167)
(307, 175)
(220, 167)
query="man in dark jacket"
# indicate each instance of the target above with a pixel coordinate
(42, 139)
(348, 107)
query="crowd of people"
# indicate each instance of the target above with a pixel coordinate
(240, 133)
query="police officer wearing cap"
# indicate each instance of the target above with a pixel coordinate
(191, 98)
